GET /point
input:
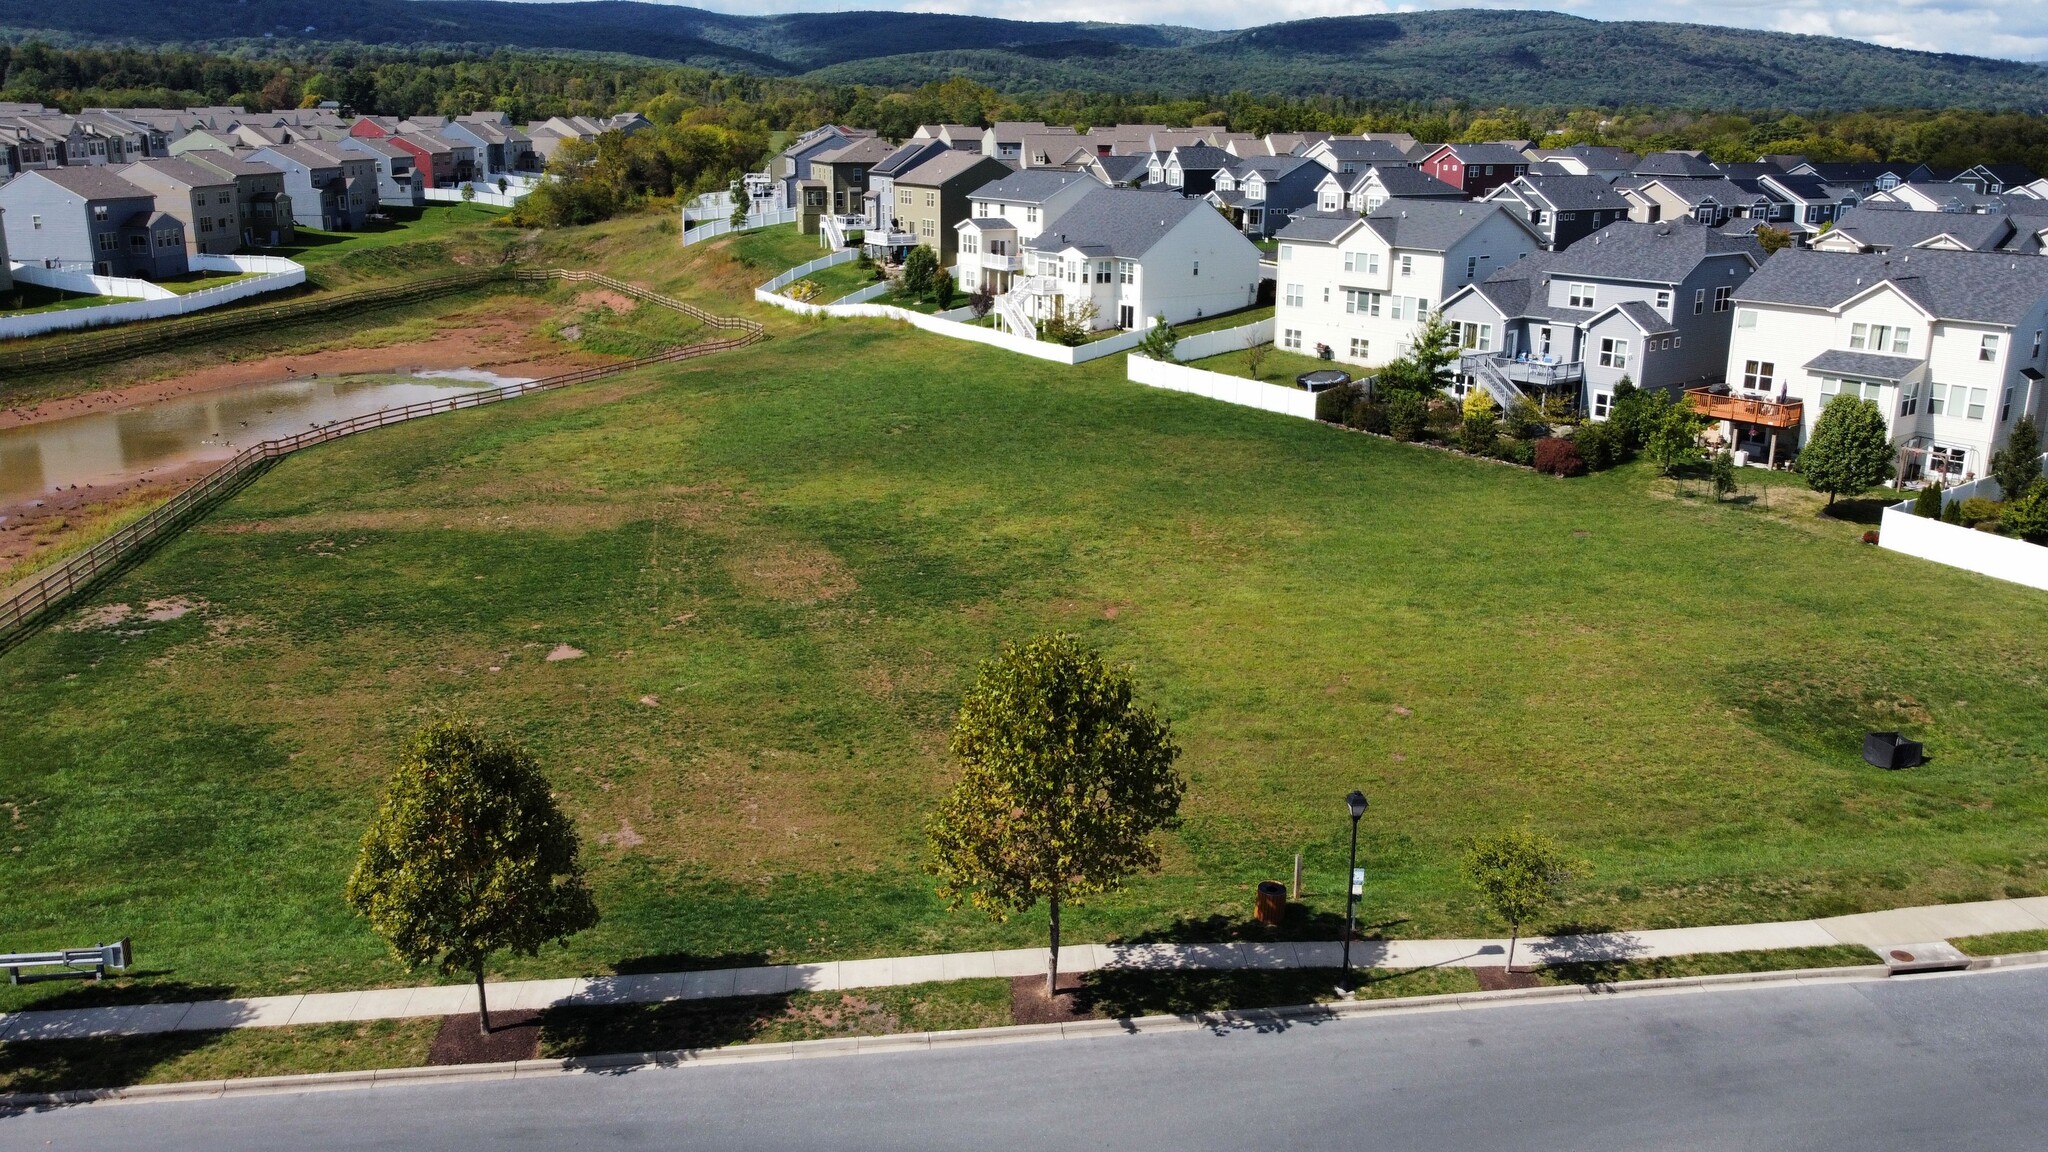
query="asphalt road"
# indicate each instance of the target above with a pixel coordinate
(1909, 1063)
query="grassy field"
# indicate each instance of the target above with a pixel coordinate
(783, 566)
(416, 242)
(25, 299)
(1280, 367)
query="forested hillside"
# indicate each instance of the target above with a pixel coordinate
(1472, 56)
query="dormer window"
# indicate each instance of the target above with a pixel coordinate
(99, 211)
(1581, 295)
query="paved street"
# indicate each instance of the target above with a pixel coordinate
(1908, 1063)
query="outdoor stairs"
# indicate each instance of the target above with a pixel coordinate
(1503, 390)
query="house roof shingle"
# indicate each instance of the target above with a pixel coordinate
(1124, 222)
(1986, 287)
(1869, 365)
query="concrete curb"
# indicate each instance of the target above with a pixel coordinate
(1267, 1019)
(2009, 960)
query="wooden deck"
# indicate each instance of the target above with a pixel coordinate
(1746, 410)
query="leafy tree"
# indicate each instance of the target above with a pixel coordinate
(944, 291)
(1066, 778)
(1160, 340)
(2017, 465)
(1069, 325)
(1674, 443)
(1518, 872)
(1773, 240)
(1722, 472)
(1927, 503)
(740, 207)
(920, 271)
(1426, 368)
(468, 856)
(1850, 449)
(2027, 517)
(1635, 415)
(982, 300)
(468, 192)
(1599, 445)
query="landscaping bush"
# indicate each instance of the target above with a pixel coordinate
(1371, 416)
(1443, 419)
(1976, 510)
(1928, 503)
(982, 301)
(1521, 452)
(920, 270)
(2027, 517)
(944, 291)
(1599, 445)
(1524, 421)
(1952, 512)
(1161, 339)
(1479, 403)
(1722, 472)
(1479, 432)
(2017, 465)
(1407, 415)
(1558, 457)
(804, 291)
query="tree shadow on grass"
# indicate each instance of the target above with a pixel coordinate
(88, 1063)
(1866, 510)
(1298, 924)
(687, 962)
(586, 1031)
(136, 987)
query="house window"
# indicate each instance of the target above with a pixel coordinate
(1127, 271)
(931, 199)
(1365, 262)
(1974, 408)
(1743, 319)
(2037, 341)
(1294, 295)
(1831, 387)
(2005, 408)
(1581, 295)
(1359, 302)
(1722, 298)
(1287, 252)
(1474, 337)
(1407, 265)
(1987, 349)
(1602, 403)
(926, 229)
(1663, 301)
(1102, 271)
(1756, 374)
(1329, 202)
(135, 243)
(1613, 353)
(107, 241)
(1198, 267)
(206, 223)
(1878, 337)
(1031, 214)
(1471, 267)
(1361, 349)
(1946, 461)
(99, 211)
(1543, 341)
(1291, 338)
(36, 223)
(1909, 399)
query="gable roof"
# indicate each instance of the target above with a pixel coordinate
(185, 172)
(1662, 253)
(1401, 182)
(1484, 154)
(1125, 222)
(1318, 227)
(1351, 149)
(867, 150)
(1870, 365)
(1881, 228)
(1433, 225)
(1683, 164)
(947, 164)
(1200, 157)
(1031, 186)
(92, 181)
(1572, 193)
(1987, 287)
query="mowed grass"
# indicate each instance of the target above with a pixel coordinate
(783, 566)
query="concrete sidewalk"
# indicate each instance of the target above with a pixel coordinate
(1875, 930)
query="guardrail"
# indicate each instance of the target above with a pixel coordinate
(29, 604)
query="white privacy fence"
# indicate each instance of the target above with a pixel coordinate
(757, 219)
(485, 194)
(146, 301)
(843, 256)
(1217, 386)
(950, 324)
(1223, 340)
(2000, 557)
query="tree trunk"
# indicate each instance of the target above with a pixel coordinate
(483, 1011)
(1514, 934)
(1052, 957)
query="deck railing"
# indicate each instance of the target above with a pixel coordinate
(1746, 409)
(31, 603)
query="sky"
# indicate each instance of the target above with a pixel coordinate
(2009, 29)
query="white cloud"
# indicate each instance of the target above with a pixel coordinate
(2015, 30)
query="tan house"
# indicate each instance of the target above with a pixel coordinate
(844, 173)
(197, 196)
(931, 199)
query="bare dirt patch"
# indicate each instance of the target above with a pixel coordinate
(606, 299)
(514, 1036)
(98, 616)
(561, 652)
(791, 573)
(1030, 1005)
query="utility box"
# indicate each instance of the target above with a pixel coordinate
(1891, 751)
(1270, 908)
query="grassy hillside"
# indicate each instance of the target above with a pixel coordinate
(775, 571)
(1483, 56)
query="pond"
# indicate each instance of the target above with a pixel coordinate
(102, 448)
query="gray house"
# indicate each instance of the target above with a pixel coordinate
(262, 207)
(330, 189)
(90, 219)
(397, 182)
(1261, 194)
(1651, 302)
(1562, 209)
(500, 147)
(202, 200)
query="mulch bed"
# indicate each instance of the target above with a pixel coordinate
(1029, 1004)
(514, 1036)
(1500, 979)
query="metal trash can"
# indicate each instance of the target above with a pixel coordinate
(1271, 906)
(1891, 751)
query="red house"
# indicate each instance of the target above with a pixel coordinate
(1475, 168)
(374, 127)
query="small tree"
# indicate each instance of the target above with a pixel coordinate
(2027, 516)
(1774, 240)
(468, 192)
(1407, 414)
(738, 219)
(1927, 503)
(1426, 368)
(468, 856)
(944, 291)
(1065, 780)
(1674, 443)
(1255, 353)
(1850, 450)
(1722, 472)
(920, 269)
(982, 300)
(1160, 340)
(1519, 872)
(2017, 465)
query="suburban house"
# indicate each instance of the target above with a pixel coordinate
(1993, 179)
(548, 136)
(1562, 209)
(1129, 255)
(1610, 164)
(1346, 155)
(1365, 192)
(1864, 229)
(792, 165)
(1189, 168)
(500, 147)
(1712, 201)
(1005, 214)
(201, 199)
(1949, 345)
(1649, 302)
(1805, 203)
(1261, 193)
(1120, 171)
(29, 143)
(965, 137)
(1361, 286)
(1677, 166)
(932, 199)
(882, 237)
(90, 218)
(329, 189)
(844, 173)
(1936, 196)
(1866, 178)
(397, 175)
(1475, 169)
(1054, 150)
(1004, 139)
(437, 162)
(263, 208)
(206, 139)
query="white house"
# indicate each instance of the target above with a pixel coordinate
(1004, 215)
(1368, 191)
(1361, 286)
(1135, 254)
(1948, 344)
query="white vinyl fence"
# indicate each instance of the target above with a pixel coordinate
(1217, 386)
(948, 324)
(2000, 557)
(146, 301)
(485, 194)
(1223, 340)
(711, 228)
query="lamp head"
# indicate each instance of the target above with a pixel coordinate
(1355, 802)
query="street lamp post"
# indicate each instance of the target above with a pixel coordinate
(1356, 803)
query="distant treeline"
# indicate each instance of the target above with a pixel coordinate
(736, 117)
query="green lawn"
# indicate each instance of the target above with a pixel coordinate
(783, 566)
(1280, 367)
(1223, 320)
(199, 281)
(416, 242)
(776, 249)
(2002, 943)
(24, 299)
